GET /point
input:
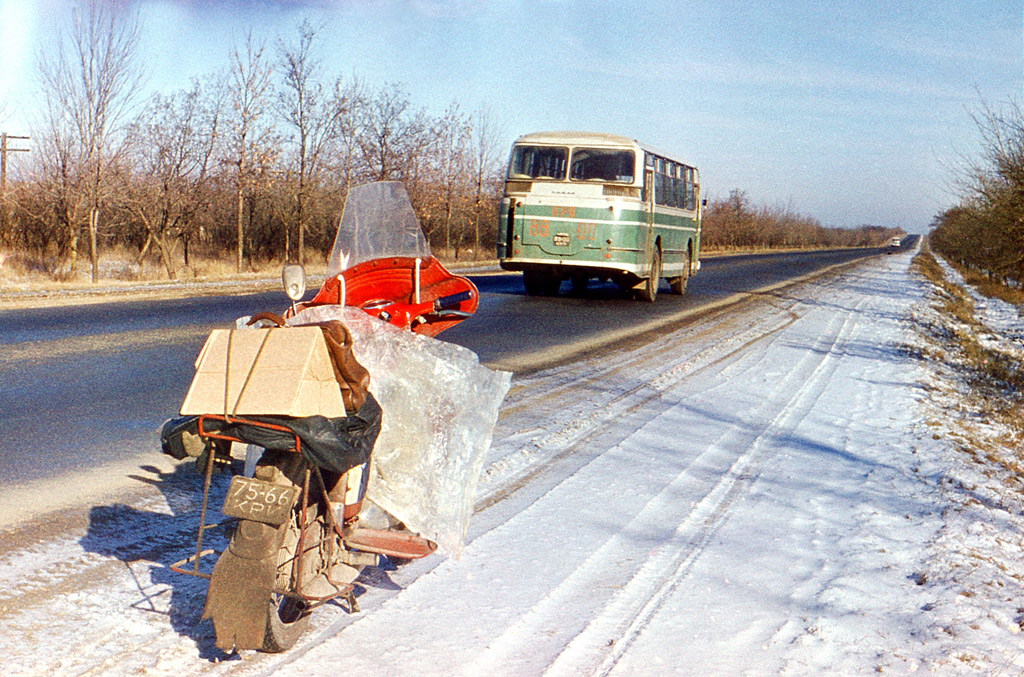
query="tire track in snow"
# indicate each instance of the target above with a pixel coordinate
(574, 517)
(526, 454)
(609, 635)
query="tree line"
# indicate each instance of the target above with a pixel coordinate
(984, 231)
(255, 159)
(734, 223)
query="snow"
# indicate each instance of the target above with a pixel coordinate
(781, 487)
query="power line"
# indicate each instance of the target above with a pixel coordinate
(4, 150)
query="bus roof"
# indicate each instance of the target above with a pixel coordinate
(578, 138)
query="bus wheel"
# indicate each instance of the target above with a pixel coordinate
(534, 283)
(540, 283)
(579, 283)
(649, 289)
(678, 284)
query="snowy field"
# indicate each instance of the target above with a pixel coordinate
(783, 487)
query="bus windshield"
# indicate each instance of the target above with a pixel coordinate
(538, 162)
(602, 164)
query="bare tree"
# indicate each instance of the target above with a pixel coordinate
(58, 170)
(173, 141)
(392, 135)
(251, 82)
(314, 113)
(484, 168)
(985, 230)
(452, 141)
(90, 82)
(344, 153)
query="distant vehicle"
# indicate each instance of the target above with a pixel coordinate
(895, 243)
(583, 205)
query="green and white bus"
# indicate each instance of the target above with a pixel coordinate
(584, 205)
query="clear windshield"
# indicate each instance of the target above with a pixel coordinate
(378, 222)
(602, 164)
(538, 162)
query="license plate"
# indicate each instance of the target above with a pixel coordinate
(260, 501)
(561, 239)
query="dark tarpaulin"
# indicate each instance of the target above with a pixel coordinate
(336, 444)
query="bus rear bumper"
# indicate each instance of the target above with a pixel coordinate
(570, 268)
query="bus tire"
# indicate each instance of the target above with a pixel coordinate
(649, 289)
(678, 284)
(541, 283)
(579, 283)
(534, 282)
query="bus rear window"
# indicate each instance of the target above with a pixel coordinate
(538, 162)
(602, 164)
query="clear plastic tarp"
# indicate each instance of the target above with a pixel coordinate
(440, 406)
(378, 222)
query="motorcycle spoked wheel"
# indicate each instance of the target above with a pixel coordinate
(288, 617)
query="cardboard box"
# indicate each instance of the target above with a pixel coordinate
(279, 371)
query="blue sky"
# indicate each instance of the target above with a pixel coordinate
(854, 112)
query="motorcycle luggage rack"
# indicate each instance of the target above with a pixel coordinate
(181, 566)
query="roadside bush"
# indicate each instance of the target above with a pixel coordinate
(985, 231)
(733, 223)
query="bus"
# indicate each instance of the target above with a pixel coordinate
(585, 205)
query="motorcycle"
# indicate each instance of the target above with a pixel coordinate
(303, 529)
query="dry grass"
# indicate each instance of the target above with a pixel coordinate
(995, 378)
(955, 301)
(992, 288)
(121, 267)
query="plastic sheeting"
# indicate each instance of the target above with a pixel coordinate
(440, 406)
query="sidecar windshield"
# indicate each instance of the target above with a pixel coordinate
(378, 222)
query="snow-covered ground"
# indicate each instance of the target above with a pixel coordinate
(780, 487)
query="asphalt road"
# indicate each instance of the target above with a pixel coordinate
(84, 385)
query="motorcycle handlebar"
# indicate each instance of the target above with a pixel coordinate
(452, 301)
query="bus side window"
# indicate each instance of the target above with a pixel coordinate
(667, 184)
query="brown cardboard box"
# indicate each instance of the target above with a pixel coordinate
(280, 371)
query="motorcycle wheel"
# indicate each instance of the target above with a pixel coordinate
(288, 617)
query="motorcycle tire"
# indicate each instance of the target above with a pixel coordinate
(287, 622)
(288, 617)
(246, 613)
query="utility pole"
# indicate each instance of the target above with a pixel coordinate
(4, 150)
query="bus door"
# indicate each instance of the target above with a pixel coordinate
(649, 235)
